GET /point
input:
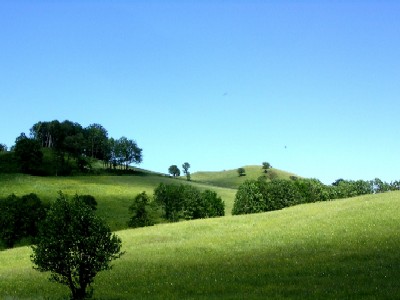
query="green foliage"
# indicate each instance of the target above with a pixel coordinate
(266, 166)
(141, 211)
(214, 206)
(28, 153)
(279, 194)
(249, 198)
(3, 147)
(311, 190)
(74, 245)
(185, 168)
(262, 195)
(174, 170)
(187, 202)
(88, 200)
(241, 172)
(20, 218)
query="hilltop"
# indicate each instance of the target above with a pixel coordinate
(230, 178)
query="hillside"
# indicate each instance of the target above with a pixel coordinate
(332, 250)
(230, 178)
(114, 194)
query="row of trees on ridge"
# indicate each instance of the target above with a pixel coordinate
(68, 141)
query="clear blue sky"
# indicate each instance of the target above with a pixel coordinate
(313, 87)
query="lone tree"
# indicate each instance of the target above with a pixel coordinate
(185, 168)
(74, 245)
(174, 170)
(266, 166)
(241, 172)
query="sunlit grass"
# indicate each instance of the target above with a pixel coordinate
(345, 249)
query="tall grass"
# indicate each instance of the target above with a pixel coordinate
(345, 249)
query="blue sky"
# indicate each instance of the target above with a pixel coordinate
(312, 87)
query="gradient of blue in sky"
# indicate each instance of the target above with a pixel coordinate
(310, 86)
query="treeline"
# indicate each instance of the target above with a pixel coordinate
(70, 142)
(255, 196)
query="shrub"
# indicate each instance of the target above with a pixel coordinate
(214, 206)
(187, 202)
(249, 198)
(311, 190)
(280, 193)
(89, 200)
(140, 210)
(19, 218)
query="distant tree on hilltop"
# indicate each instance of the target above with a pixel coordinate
(174, 170)
(266, 166)
(241, 172)
(185, 168)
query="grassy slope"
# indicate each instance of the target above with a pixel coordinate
(114, 194)
(340, 250)
(230, 178)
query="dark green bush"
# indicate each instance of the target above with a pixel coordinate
(187, 202)
(89, 200)
(20, 218)
(141, 211)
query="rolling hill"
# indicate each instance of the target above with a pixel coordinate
(230, 178)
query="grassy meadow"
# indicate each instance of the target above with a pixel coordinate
(344, 249)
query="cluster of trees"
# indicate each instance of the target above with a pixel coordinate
(20, 217)
(70, 141)
(255, 196)
(175, 172)
(172, 203)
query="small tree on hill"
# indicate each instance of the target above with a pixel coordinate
(74, 245)
(185, 168)
(266, 166)
(174, 170)
(140, 210)
(3, 148)
(241, 172)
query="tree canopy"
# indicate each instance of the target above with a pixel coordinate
(74, 245)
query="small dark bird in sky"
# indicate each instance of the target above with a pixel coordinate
(285, 147)
(225, 94)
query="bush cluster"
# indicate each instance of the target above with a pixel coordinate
(187, 202)
(255, 196)
(20, 218)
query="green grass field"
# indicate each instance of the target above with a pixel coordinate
(344, 249)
